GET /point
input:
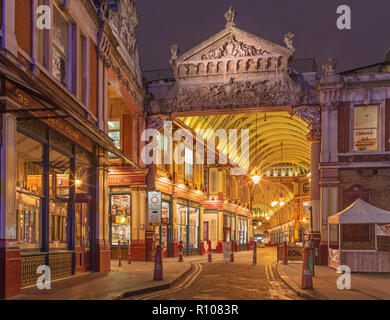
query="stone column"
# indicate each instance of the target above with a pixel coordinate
(10, 262)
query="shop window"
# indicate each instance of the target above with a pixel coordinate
(61, 54)
(59, 197)
(29, 191)
(121, 218)
(193, 225)
(366, 128)
(114, 132)
(189, 164)
(82, 204)
(181, 224)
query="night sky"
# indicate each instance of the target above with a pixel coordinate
(189, 22)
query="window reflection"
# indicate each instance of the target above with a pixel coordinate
(28, 190)
(59, 197)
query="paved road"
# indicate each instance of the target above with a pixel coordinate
(231, 281)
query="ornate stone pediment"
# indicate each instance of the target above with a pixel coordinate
(233, 69)
(234, 51)
(232, 48)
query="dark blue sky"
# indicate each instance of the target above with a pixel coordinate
(189, 22)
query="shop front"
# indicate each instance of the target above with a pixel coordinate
(187, 226)
(120, 220)
(126, 205)
(229, 228)
(163, 232)
(53, 200)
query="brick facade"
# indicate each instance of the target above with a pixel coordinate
(378, 185)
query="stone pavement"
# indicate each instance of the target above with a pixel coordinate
(126, 280)
(364, 286)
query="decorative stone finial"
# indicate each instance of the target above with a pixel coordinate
(174, 51)
(329, 66)
(387, 57)
(230, 17)
(288, 40)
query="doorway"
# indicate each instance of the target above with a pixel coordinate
(83, 236)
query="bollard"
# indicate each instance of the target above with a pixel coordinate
(119, 254)
(210, 259)
(128, 252)
(255, 253)
(284, 252)
(158, 268)
(181, 249)
(307, 280)
(231, 251)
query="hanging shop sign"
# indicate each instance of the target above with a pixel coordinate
(154, 206)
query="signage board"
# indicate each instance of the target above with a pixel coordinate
(154, 206)
(293, 253)
(226, 250)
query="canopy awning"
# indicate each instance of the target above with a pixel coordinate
(49, 99)
(360, 212)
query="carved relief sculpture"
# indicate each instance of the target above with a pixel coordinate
(234, 49)
(329, 66)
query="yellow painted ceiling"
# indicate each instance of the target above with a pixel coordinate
(265, 145)
(267, 132)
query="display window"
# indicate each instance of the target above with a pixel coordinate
(59, 199)
(181, 224)
(164, 237)
(120, 218)
(29, 191)
(193, 236)
(229, 226)
(82, 205)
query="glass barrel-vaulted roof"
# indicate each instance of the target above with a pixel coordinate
(265, 145)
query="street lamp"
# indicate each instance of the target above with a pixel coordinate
(256, 179)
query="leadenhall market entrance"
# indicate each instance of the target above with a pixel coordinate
(317, 142)
(53, 202)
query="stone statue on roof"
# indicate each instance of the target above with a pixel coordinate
(230, 17)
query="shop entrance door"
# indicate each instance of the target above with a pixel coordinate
(206, 231)
(226, 234)
(83, 236)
